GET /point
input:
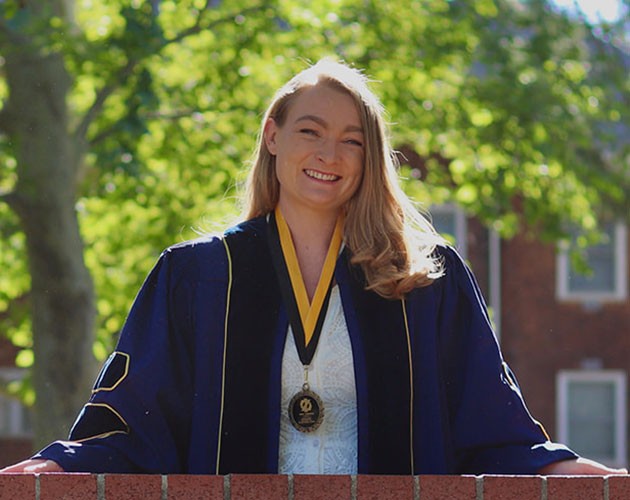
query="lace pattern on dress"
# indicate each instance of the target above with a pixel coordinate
(331, 449)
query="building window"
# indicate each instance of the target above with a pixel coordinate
(14, 416)
(608, 278)
(450, 221)
(592, 414)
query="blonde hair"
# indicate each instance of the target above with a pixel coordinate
(387, 236)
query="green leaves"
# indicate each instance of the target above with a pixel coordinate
(516, 112)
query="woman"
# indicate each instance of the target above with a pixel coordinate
(331, 332)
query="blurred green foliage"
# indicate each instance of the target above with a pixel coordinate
(518, 112)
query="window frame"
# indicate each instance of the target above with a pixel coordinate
(461, 224)
(17, 413)
(619, 380)
(620, 292)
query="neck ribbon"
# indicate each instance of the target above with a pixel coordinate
(306, 318)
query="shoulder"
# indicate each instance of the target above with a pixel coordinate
(207, 257)
(449, 256)
(454, 276)
(247, 232)
(452, 265)
(458, 283)
(199, 257)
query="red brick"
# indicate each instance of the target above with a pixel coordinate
(510, 487)
(448, 487)
(575, 487)
(14, 486)
(258, 487)
(57, 486)
(311, 487)
(384, 487)
(133, 487)
(618, 487)
(188, 487)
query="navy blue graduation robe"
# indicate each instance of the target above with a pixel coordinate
(194, 383)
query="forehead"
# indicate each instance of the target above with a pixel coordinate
(326, 102)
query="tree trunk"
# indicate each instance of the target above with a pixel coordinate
(62, 292)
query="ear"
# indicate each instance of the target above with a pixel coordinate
(269, 135)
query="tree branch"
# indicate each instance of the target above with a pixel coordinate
(101, 96)
(103, 134)
(125, 72)
(198, 27)
(176, 115)
(172, 116)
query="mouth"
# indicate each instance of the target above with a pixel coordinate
(320, 176)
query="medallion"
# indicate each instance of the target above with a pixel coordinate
(306, 410)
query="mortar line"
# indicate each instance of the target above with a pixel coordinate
(479, 487)
(100, 487)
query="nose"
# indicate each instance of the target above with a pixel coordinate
(327, 152)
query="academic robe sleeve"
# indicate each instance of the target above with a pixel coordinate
(492, 429)
(138, 416)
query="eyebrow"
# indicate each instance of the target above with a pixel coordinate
(323, 123)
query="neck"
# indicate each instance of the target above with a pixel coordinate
(310, 230)
(311, 233)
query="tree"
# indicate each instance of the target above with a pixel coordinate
(126, 125)
(48, 158)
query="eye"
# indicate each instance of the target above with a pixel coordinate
(309, 131)
(354, 142)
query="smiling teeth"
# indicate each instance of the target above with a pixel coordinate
(320, 176)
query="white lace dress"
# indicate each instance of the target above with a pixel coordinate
(332, 448)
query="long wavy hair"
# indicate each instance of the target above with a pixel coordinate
(387, 236)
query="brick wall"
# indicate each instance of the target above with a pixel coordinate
(278, 487)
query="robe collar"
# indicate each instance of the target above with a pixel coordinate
(256, 330)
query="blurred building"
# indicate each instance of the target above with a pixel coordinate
(565, 335)
(15, 427)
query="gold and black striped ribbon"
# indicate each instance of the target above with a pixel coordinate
(306, 318)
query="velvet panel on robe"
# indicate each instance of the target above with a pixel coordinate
(194, 383)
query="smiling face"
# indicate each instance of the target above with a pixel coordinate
(319, 150)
